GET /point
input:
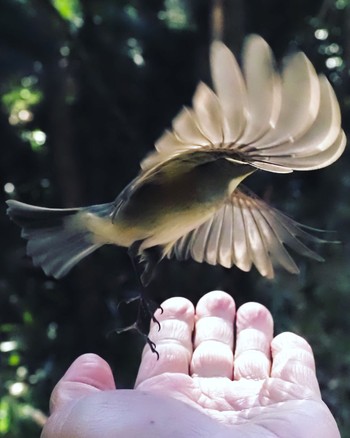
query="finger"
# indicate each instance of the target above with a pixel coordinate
(88, 373)
(213, 342)
(173, 341)
(293, 361)
(254, 335)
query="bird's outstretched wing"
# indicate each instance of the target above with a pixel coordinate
(274, 121)
(245, 231)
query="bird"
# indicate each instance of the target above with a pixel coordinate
(188, 200)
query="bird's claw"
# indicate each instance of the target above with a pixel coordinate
(152, 346)
(155, 320)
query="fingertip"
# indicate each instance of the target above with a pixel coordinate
(288, 348)
(293, 361)
(88, 373)
(175, 308)
(288, 340)
(216, 303)
(92, 370)
(254, 315)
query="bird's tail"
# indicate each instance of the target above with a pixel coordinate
(57, 240)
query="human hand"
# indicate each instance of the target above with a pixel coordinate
(200, 387)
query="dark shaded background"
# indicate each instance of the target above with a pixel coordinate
(86, 87)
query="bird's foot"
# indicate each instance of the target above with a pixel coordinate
(135, 326)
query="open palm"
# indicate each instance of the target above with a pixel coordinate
(211, 380)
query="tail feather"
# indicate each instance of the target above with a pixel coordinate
(57, 241)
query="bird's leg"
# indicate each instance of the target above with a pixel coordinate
(151, 344)
(140, 325)
(148, 259)
(143, 265)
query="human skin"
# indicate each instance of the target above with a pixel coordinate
(220, 373)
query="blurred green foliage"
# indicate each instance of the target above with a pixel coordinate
(86, 88)
(69, 10)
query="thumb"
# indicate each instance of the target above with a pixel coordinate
(88, 373)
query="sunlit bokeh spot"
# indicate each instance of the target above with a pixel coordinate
(332, 49)
(25, 115)
(321, 34)
(9, 188)
(135, 51)
(39, 137)
(64, 50)
(334, 62)
(7, 346)
(22, 372)
(18, 388)
(36, 138)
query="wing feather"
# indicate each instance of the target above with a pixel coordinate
(300, 102)
(186, 128)
(322, 133)
(275, 122)
(258, 252)
(225, 250)
(199, 239)
(240, 244)
(278, 254)
(208, 112)
(230, 89)
(317, 161)
(263, 89)
(213, 243)
(246, 231)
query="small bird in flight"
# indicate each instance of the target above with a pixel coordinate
(188, 200)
